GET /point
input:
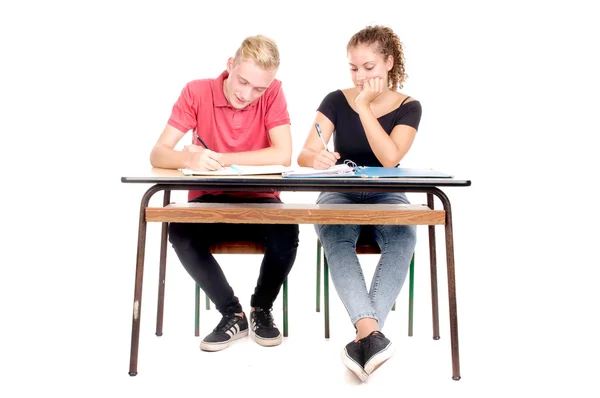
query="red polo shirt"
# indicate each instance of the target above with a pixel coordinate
(202, 108)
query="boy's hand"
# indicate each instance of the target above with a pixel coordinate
(203, 159)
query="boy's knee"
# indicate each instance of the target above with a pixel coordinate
(178, 235)
(284, 238)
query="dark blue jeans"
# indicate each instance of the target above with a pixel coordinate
(192, 241)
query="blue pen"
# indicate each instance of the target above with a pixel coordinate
(321, 136)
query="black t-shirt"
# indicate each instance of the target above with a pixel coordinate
(349, 138)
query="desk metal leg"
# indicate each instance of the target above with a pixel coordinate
(451, 286)
(163, 270)
(433, 271)
(139, 279)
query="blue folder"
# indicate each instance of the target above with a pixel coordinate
(377, 172)
(398, 172)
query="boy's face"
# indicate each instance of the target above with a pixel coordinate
(246, 82)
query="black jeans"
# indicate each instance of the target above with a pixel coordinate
(192, 241)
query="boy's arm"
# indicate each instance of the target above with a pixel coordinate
(164, 155)
(279, 153)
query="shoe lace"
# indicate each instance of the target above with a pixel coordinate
(226, 322)
(369, 341)
(263, 318)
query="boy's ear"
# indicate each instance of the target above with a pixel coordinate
(230, 62)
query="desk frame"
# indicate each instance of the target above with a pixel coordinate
(167, 184)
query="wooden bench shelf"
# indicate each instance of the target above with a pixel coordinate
(283, 213)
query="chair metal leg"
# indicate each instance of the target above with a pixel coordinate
(326, 294)
(433, 270)
(162, 270)
(285, 308)
(318, 275)
(197, 312)
(411, 292)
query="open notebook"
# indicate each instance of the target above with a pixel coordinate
(239, 170)
(339, 170)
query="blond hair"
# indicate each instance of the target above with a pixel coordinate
(260, 49)
(386, 43)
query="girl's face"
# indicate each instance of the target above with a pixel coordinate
(367, 64)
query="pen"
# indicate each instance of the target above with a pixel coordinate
(202, 141)
(321, 136)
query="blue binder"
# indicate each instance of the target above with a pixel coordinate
(374, 172)
(398, 172)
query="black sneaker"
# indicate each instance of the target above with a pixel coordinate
(376, 350)
(231, 328)
(265, 331)
(353, 358)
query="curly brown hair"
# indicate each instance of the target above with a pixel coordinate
(386, 43)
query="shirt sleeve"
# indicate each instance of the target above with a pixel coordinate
(277, 113)
(184, 113)
(328, 107)
(409, 114)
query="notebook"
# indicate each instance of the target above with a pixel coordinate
(339, 170)
(238, 170)
(346, 171)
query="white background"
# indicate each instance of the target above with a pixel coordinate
(509, 95)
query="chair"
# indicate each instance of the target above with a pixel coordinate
(242, 247)
(238, 247)
(367, 246)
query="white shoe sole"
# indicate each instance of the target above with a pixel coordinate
(353, 366)
(378, 359)
(212, 347)
(272, 342)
